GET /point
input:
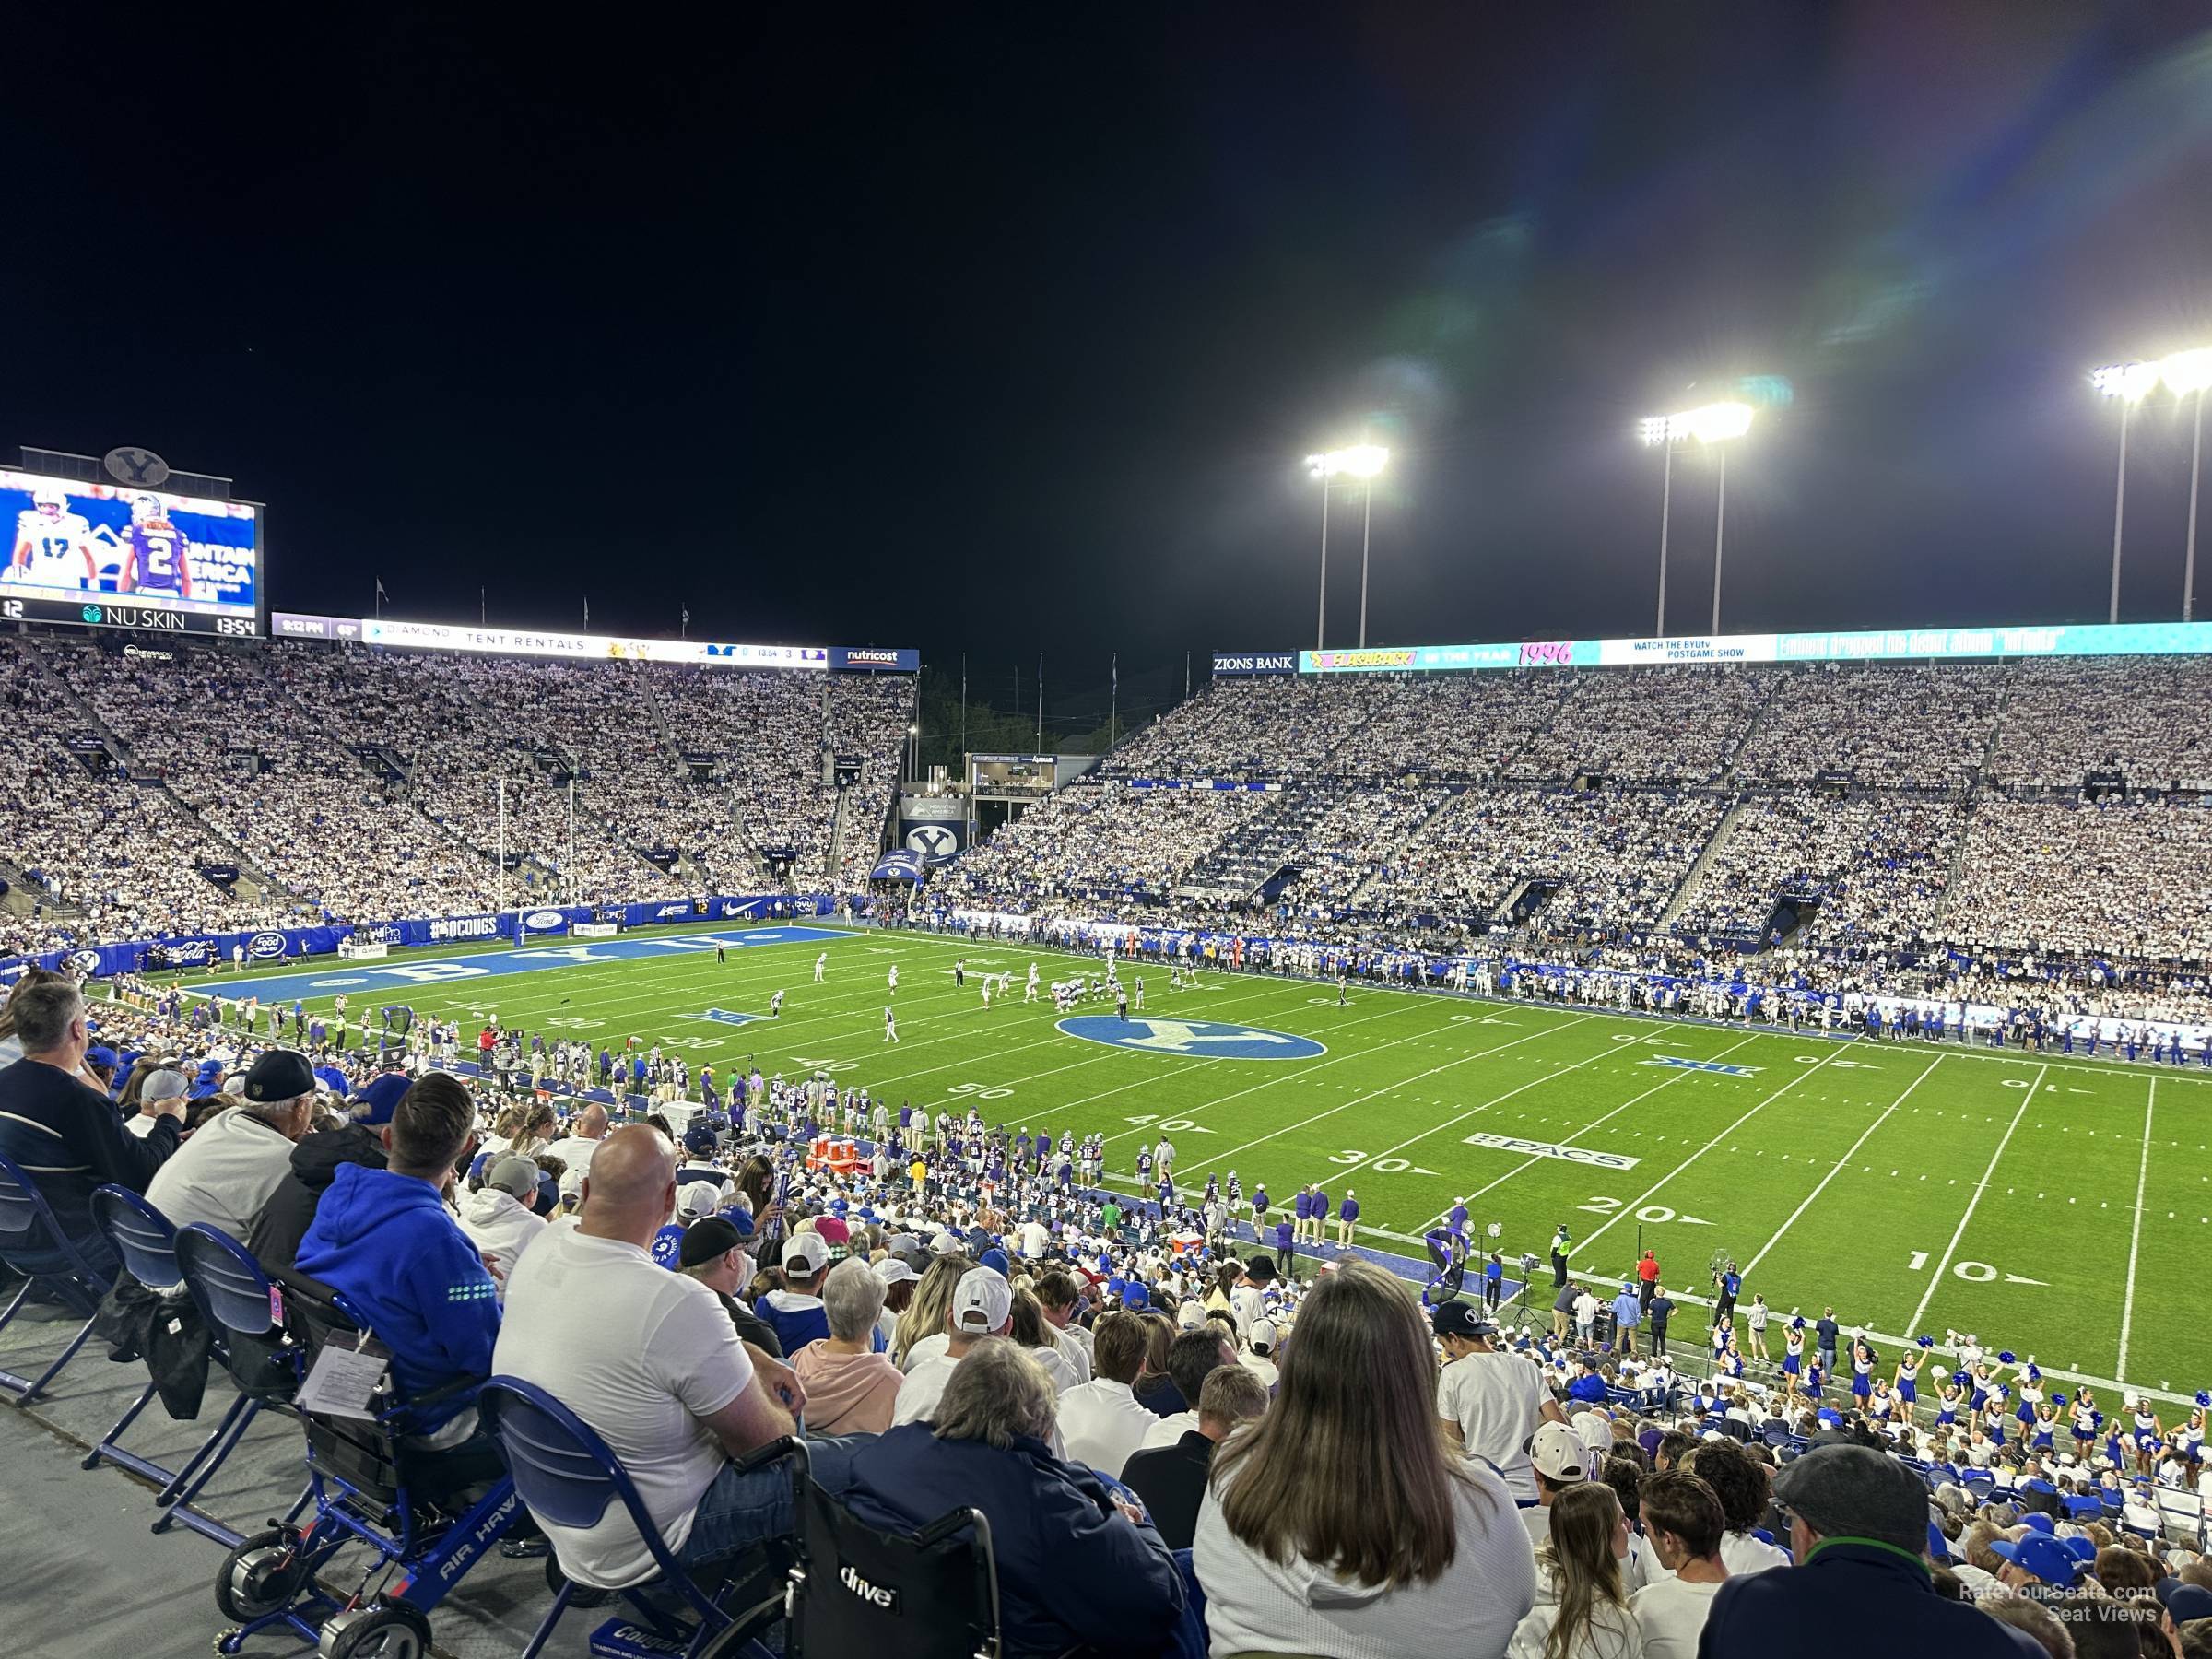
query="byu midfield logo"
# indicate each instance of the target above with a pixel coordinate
(1205, 1038)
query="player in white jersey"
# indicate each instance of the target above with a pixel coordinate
(775, 1005)
(1030, 995)
(986, 990)
(890, 1022)
(821, 966)
(53, 545)
(894, 980)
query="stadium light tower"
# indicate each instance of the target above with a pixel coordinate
(1712, 424)
(1364, 462)
(2131, 384)
(2191, 372)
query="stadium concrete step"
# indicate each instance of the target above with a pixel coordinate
(1721, 833)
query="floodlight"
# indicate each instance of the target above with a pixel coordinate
(1712, 424)
(2187, 372)
(2131, 383)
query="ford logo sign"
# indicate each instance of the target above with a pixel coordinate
(265, 945)
(542, 920)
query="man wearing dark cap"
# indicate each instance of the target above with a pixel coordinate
(1491, 1404)
(713, 1252)
(224, 1174)
(1859, 1532)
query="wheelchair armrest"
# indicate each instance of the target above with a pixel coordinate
(944, 1526)
(397, 1416)
(761, 1455)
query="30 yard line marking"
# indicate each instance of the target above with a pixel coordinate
(1645, 1198)
(1847, 1157)
(2134, 1237)
(1944, 1266)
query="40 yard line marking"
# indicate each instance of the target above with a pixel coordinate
(1847, 1157)
(1958, 1232)
(2135, 1238)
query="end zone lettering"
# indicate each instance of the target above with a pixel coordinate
(1534, 1148)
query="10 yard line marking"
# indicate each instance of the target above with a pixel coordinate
(2135, 1240)
(1951, 1249)
(1847, 1157)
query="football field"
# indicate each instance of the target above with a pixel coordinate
(2059, 1207)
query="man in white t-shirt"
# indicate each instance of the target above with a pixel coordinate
(161, 1088)
(1491, 1402)
(587, 1130)
(982, 1305)
(1683, 1522)
(1101, 1420)
(649, 1360)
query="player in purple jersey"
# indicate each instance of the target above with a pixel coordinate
(153, 553)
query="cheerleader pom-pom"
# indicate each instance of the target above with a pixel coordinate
(2204, 1397)
(2005, 1358)
(1937, 1372)
(1925, 1342)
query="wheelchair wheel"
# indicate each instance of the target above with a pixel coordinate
(260, 1576)
(392, 1631)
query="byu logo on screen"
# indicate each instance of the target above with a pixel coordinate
(1201, 1039)
(140, 466)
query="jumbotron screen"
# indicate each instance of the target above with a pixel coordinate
(117, 555)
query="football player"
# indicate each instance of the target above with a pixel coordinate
(54, 546)
(153, 553)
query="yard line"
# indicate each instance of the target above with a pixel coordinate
(1338, 1059)
(1822, 1187)
(1596, 1122)
(1347, 1169)
(1393, 1088)
(2135, 1240)
(1944, 1266)
(1630, 1208)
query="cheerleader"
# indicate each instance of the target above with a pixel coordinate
(1949, 1399)
(1723, 1333)
(2189, 1440)
(2147, 1431)
(1908, 1379)
(2083, 1413)
(1793, 1356)
(1814, 1379)
(2030, 1392)
(2042, 1434)
(1862, 1372)
(1882, 1405)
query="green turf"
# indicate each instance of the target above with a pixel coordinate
(1833, 1171)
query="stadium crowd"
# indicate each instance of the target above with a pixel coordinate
(963, 1316)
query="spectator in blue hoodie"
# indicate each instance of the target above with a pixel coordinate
(384, 1240)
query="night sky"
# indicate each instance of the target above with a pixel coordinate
(1001, 330)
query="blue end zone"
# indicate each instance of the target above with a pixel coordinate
(396, 976)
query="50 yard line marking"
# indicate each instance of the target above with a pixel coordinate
(1847, 1157)
(1950, 1250)
(2135, 1238)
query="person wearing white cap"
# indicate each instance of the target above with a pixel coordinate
(982, 1305)
(795, 1310)
(894, 1273)
(1259, 1358)
(1561, 1460)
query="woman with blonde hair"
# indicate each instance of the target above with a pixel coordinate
(924, 1316)
(1583, 1612)
(1340, 1524)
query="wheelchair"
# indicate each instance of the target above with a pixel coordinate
(367, 1487)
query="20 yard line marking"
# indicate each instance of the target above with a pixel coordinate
(1816, 1193)
(2135, 1239)
(1709, 1146)
(1958, 1232)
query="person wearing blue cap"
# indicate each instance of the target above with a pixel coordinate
(2040, 1565)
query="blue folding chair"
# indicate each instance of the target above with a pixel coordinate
(567, 1476)
(33, 1244)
